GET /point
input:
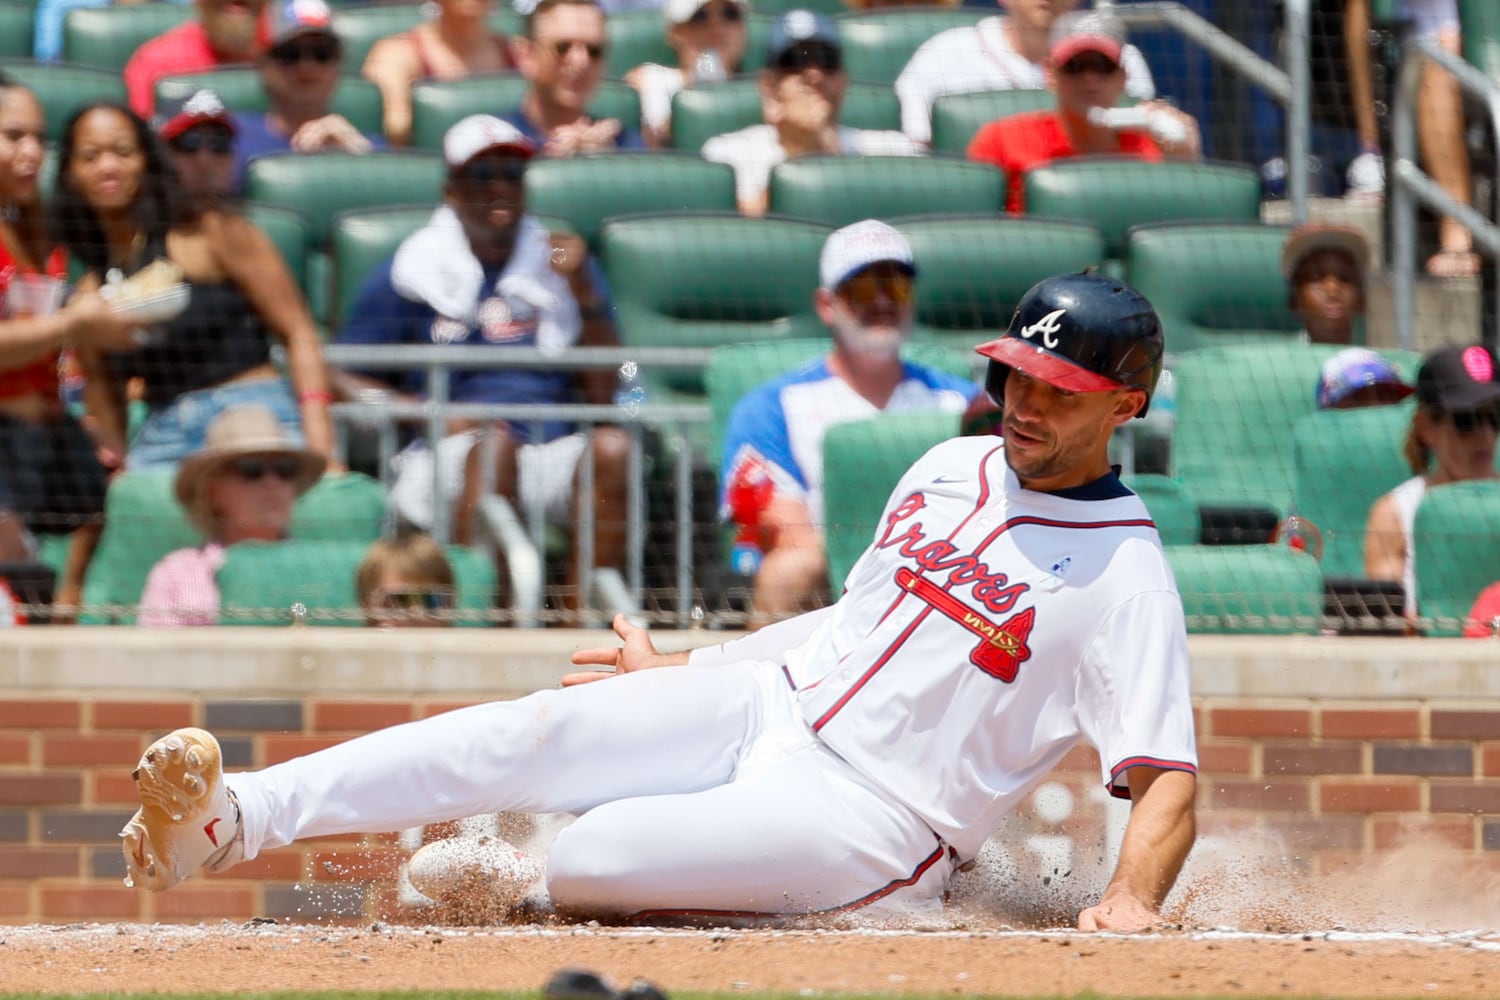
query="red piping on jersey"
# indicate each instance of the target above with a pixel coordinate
(1160, 763)
(866, 900)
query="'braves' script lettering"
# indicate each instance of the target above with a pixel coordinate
(991, 588)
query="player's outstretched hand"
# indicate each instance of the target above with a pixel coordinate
(637, 652)
(1119, 912)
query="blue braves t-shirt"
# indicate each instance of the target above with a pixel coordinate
(628, 138)
(253, 137)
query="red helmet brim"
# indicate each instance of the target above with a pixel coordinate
(1054, 369)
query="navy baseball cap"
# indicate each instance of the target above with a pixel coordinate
(201, 106)
(797, 27)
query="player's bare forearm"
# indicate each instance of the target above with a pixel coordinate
(1157, 840)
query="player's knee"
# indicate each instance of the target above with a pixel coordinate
(587, 870)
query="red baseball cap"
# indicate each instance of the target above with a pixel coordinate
(176, 117)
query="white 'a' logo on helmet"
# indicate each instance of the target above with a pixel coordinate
(1048, 326)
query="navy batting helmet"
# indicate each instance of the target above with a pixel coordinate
(1081, 332)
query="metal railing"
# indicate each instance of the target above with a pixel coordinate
(1410, 185)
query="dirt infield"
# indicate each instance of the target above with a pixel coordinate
(230, 959)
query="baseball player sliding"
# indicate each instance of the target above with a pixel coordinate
(1014, 600)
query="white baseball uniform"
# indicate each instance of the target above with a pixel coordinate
(848, 757)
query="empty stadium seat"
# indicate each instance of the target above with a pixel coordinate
(1457, 542)
(879, 43)
(975, 268)
(106, 37)
(1116, 193)
(839, 190)
(17, 28)
(62, 89)
(239, 87)
(1248, 589)
(437, 104)
(1479, 22)
(1171, 506)
(318, 186)
(956, 117)
(700, 113)
(586, 190)
(1213, 282)
(362, 240)
(774, 7)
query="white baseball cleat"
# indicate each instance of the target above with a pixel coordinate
(187, 820)
(479, 879)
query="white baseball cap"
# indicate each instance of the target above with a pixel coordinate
(468, 137)
(855, 247)
(679, 11)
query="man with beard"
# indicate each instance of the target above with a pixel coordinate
(223, 34)
(773, 449)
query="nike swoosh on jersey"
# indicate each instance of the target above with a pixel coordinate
(940, 480)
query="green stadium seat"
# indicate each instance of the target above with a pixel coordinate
(1248, 589)
(879, 43)
(775, 7)
(1457, 542)
(1116, 193)
(17, 28)
(1213, 282)
(363, 240)
(975, 268)
(64, 88)
(1345, 461)
(239, 87)
(586, 190)
(640, 36)
(862, 462)
(318, 186)
(360, 27)
(1171, 506)
(838, 190)
(700, 113)
(287, 230)
(260, 583)
(956, 117)
(1479, 27)
(106, 37)
(437, 104)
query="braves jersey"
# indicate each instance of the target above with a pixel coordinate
(986, 630)
(782, 423)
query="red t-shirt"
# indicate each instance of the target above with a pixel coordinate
(40, 376)
(1485, 610)
(183, 49)
(1020, 142)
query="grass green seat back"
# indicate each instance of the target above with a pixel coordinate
(106, 37)
(346, 507)
(319, 186)
(62, 88)
(1116, 193)
(956, 117)
(640, 36)
(287, 230)
(879, 43)
(709, 280)
(586, 190)
(1248, 589)
(775, 7)
(260, 583)
(239, 87)
(1479, 28)
(862, 462)
(1213, 282)
(437, 104)
(975, 268)
(838, 190)
(17, 28)
(1457, 543)
(1345, 461)
(362, 241)
(1171, 506)
(359, 28)
(700, 113)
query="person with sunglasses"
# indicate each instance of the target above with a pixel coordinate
(1086, 73)
(801, 90)
(223, 34)
(706, 35)
(406, 582)
(775, 434)
(300, 62)
(1451, 439)
(199, 133)
(239, 487)
(562, 58)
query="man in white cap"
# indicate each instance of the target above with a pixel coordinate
(772, 474)
(484, 272)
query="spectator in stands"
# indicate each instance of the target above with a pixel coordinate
(709, 37)
(1440, 123)
(1325, 267)
(1451, 439)
(1006, 52)
(299, 62)
(406, 582)
(773, 447)
(482, 271)
(1085, 71)
(455, 44)
(802, 89)
(199, 133)
(119, 208)
(562, 57)
(51, 480)
(223, 34)
(1484, 616)
(1355, 378)
(239, 487)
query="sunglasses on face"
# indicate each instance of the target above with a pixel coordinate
(252, 469)
(321, 51)
(417, 600)
(1098, 64)
(563, 46)
(483, 172)
(729, 14)
(809, 56)
(1469, 421)
(864, 287)
(198, 140)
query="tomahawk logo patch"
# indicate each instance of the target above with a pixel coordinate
(1002, 647)
(1048, 326)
